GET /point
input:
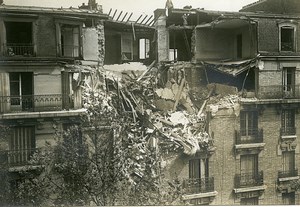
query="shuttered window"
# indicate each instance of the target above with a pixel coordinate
(21, 145)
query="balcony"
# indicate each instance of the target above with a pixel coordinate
(249, 136)
(287, 173)
(15, 158)
(279, 92)
(288, 131)
(198, 185)
(18, 49)
(34, 103)
(248, 180)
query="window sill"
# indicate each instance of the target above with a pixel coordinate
(200, 195)
(249, 189)
(288, 178)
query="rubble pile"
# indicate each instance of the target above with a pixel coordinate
(164, 115)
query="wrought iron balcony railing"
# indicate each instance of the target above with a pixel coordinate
(18, 49)
(16, 157)
(198, 185)
(288, 131)
(35, 103)
(287, 173)
(279, 91)
(249, 136)
(249, 179)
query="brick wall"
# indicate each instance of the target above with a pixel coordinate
(45, 36)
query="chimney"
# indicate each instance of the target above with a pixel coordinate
(92, 4)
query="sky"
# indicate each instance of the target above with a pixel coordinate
(138, 7)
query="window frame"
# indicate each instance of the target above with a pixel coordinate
(288, 26)
(72, 22)
(18, 18)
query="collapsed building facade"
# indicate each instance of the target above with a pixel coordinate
(221, 91)
(252, 57)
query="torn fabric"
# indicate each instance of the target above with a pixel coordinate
(232, 68)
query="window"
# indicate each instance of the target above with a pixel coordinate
(288, 198)
(249, 170)
(239, 46)
(69, 42)
(144, 48)
(249, 164)
(21, 90)
(249, 201)
(199, 180)
(287, 38)
(288, 122)
(288, 158)
(21, 145)
(173, 54)
(198, 168)
(248, 123)
(19, 39)
(127, 47)
(289, 82)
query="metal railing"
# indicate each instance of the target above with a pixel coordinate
(279, 91)
(249, 136)
(288, 131)
(18, 49)
(287, 173)
(198, 185)
(287, 46)
(35, 103)
(249, 179)
(16, 157)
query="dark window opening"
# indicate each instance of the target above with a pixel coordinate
(70, 46)
(198, 168)
(249, 201)
(239, 46)
(180, 45)
(287, 39)
(21, 90)
(288, 198)
(112, 49)
(288, 122)
(19, 40)
(289, 82)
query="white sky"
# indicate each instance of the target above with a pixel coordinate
(138, 7)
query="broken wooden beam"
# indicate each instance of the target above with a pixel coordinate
(148, 69)
(119, 15)
(143, 19)
(149, 19)
(129, 17)
(109, 11)
(138, 18)
(178, 95)
(114, 14)
(124, 16)
(204, 103)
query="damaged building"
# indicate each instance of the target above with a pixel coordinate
(216, 93)
(44, 56)
(249, 61)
